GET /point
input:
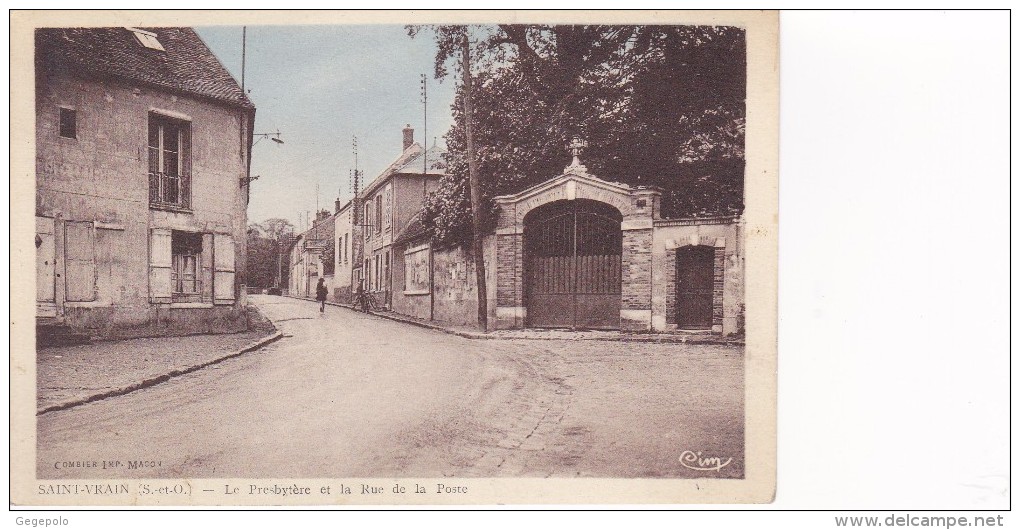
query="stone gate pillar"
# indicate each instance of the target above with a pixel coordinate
(636, 287)
(510, 310)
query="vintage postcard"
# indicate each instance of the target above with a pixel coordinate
(423, 258)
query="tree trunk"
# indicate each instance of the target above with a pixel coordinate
(476, 191)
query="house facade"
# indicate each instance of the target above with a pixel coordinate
(348, 251)
(387, 206)
(143, 145)
(306, 257)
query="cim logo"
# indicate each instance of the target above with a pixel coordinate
(695, 461)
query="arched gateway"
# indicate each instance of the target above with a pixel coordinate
(572, 256)
(575, 252)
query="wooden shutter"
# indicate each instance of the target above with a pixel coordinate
(206, 274)
(223, 255)
(45, 260)
(80, 261)
(185, 150)
(160, 265)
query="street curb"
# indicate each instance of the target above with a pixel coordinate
(650, 338)
(152, 381)
(388, 315)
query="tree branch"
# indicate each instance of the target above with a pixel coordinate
(518, 36)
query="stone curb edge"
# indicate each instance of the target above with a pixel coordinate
(152, 381)
(665, 339)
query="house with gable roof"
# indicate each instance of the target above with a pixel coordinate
(388, 205)
(143, 143)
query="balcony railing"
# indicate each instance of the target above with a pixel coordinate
(170, 191)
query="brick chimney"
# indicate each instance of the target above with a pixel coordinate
(408, 136)
(337, 206)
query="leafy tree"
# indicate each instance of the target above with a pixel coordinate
(276, 229)
(658, 105)
(268, 242)
(261, 260)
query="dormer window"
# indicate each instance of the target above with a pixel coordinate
(147, 39)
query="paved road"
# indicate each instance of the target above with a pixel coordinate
(354, 395)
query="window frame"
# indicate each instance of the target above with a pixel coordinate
(378, 213)
(179, 254)
(183, 177)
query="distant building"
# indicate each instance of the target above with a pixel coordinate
(388, 205)
(143, 145)
(348, 251)
(307, 263)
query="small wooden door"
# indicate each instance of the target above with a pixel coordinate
(694, 282)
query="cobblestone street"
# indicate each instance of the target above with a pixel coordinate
(349, 394)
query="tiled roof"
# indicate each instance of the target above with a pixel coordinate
(436, 162)
(186, 66)
(320, 233)
(410, 162)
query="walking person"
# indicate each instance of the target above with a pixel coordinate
(320, 294)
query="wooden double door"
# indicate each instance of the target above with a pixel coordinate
(573, 255)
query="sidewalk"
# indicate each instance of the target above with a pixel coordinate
(67, 376)
(553, 334)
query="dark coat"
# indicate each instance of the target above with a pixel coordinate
(320, 292)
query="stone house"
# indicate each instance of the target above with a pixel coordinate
(388, 204)
(143, 144)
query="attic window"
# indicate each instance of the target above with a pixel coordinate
(147, 39)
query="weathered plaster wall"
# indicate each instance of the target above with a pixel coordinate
(102, 176)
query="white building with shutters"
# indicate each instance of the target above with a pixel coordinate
(143, 142)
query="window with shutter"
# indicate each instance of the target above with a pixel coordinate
(80, 261)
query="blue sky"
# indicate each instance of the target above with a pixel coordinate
(319, 86)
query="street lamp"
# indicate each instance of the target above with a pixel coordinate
(274, 136)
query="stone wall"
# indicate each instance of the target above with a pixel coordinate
(455, 285)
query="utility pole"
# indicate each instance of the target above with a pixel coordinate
(476, 190)
(425, 127)
(355, 219)
(244, 48)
